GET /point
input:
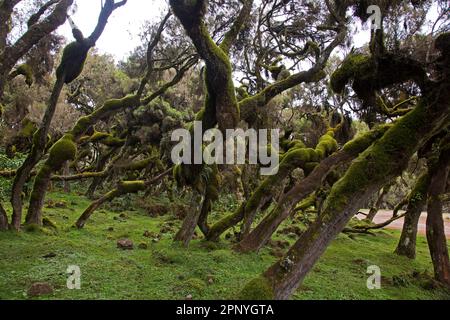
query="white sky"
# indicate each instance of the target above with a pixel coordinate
(122, 31)
(121, 35)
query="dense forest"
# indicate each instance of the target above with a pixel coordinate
(357, 137)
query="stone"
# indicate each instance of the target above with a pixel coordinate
(40, 289)
(61, 204)
(143, 246)
(125, 244)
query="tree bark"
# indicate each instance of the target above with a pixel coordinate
(190, 222)
(9, 55)
(66, 172)
(416, 202)
(3, 218)
(37, 151)
(69, 69)
(262, 233)
(384, 160)
(437, 241)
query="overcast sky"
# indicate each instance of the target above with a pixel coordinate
(122, 32)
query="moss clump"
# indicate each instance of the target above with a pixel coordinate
(26, 71)
(32, 227)
(111, 141)
(72, 61)
(131, 186)
(98, 136)
(327, 145)
(28, 128)
(63, 150)
(46, 222)
(355, 65)
(257, 289)
(386, 158)
(139, 165)
(361, 143)
(115, 105)
(110, 107)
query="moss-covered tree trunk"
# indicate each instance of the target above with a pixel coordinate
(384, 160)
(262, 233)
(37, 151)
(416, 202)
(437, 241)
(221, 105)
(70, 67)
(256, 239)
(62, 151)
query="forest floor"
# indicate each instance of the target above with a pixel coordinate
(159, 269)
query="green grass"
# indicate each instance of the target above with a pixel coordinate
(167, 271)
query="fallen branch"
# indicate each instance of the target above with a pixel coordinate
(365, 229)
(123, 187)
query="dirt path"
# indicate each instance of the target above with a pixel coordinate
(384, 215)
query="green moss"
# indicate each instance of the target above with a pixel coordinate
(139, 165)
(115, 105)
(419, 192)
(131, 186)
(386, 157)
(26, 71)
(109, 107)
(28, 128)
(47, 222)
(72, 61)
(111, 141)
(97, 136)
(63, 150)
(257, 289)
(362, 142)
(355, 65)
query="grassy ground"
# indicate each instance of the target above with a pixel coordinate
(205, 270)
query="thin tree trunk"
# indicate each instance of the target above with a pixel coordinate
(37, 151)
(94, 206)
(190, 222)
(374, 210)
(66, 172)
(97, 181)
(3, 218)
(437, 243)
(416, 201)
